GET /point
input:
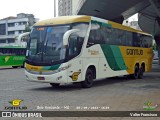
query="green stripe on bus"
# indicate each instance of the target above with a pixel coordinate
(54, 67)
(103, 24)
(114, 57)
(106, 25)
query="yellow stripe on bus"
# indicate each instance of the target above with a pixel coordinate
(64, 20)
(133, 55)
(33, 68)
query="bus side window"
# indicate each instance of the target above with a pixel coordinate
(8, 51)
(18, 51)
(106, 33)
(12, 52)
(119, 37)
(129, 38)
(15, 52)
(95, 35)
(4, 51)
(23, 52)
(149, 40)
(91, 38)
(136, 40)
(116, 37)
(73, 46)
(98, 37)
(1, 53)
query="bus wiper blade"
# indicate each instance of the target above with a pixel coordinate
(39, 53)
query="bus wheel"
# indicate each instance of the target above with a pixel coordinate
(15, 66)
(23, 65)
(88, 82)
(136, 72)
(141, 72)
(54, 84)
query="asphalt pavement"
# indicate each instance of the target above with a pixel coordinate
(112, 94)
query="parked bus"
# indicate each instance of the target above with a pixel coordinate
(14, 55)
(73, 49)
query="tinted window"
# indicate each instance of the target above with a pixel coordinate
(12, 51)
(76, 40)
(107, 36)
(129, 38)
(103, 34)
(95, 36)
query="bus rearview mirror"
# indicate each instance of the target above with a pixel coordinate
(67, 35)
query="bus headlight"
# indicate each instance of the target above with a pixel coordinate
(63, 68)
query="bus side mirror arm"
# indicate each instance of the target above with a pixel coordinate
(67, 35)
(20, 37)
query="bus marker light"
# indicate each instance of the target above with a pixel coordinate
(60, 77)
(40, 78)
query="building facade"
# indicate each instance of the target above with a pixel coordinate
(64, 7)
(133, 24)
(69, 7)
(11, 27)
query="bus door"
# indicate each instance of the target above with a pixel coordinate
(75, 62)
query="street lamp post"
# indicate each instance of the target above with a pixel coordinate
(55, 8)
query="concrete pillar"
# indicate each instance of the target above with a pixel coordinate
(157, 39)
(6, 26)
(55, 9)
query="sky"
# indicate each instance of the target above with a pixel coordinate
(42, 9)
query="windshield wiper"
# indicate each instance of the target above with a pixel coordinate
(40, 53)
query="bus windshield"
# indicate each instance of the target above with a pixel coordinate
(46, 44)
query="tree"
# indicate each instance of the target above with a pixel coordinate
(27, 28)
(154, 46)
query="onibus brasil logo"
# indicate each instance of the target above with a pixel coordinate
(16, 105)
(149, 106)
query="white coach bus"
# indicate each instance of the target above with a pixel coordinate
(71, 49)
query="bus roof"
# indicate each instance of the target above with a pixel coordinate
(84, 18)
(64, 20)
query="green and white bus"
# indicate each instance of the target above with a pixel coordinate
(72, 49)
(14, 55)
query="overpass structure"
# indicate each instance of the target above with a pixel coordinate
(119, 10)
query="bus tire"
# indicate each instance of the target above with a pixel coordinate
(141, 72)
(23, 65)
(15, 66)
(55, 84)
(88, 82)
(136, 72)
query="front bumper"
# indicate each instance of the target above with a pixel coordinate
(60, 77)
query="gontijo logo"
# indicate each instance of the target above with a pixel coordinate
(15, 102)
(16, 105)
(134, 52)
